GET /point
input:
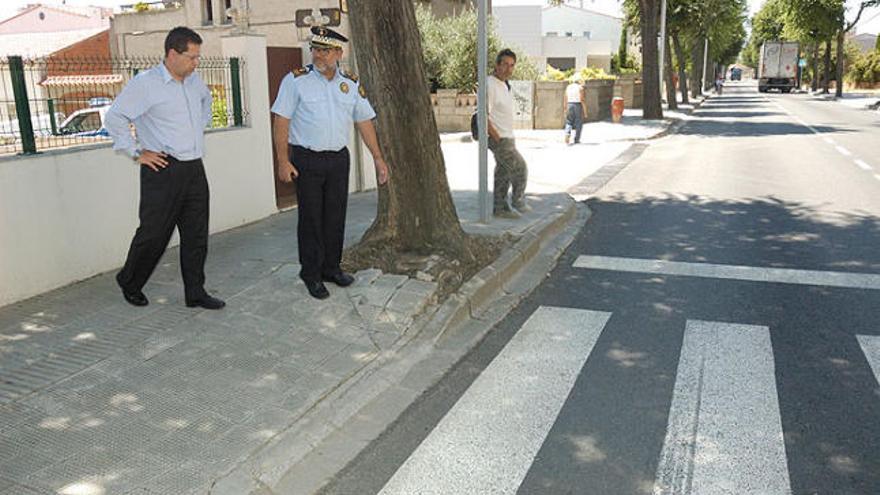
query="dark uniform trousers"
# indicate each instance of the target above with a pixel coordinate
(175, 196)
(322, 196)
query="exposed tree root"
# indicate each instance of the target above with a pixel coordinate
(437, 264)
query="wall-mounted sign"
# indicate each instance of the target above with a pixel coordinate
(334, 17)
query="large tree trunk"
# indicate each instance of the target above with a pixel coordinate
(682, 64)
(670, 82)
(841, 41)
(652, 107)
(826, 79)
(815, 82)
(415, 213)
(697, 67)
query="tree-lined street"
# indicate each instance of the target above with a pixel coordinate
(713, 329)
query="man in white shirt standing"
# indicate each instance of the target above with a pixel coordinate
(170, 108)
(511, 170)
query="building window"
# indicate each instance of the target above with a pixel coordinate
(588, 35)
(552, 33)
(561, 63)
(207, 12)
(227, 4)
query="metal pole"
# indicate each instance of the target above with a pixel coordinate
(705, 66)
(22, 107)
(662, 46)
(482, 118)
(235, 74)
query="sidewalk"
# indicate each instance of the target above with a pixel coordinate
(99, 397)
(860, 99)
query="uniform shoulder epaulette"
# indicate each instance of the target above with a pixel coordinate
(299, 72)
(353, 77)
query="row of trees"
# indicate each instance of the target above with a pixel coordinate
(689, 24)
(820, 26)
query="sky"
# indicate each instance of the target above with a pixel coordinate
(870, 22)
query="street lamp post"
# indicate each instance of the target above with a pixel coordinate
(482, 118)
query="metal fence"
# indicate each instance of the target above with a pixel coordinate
(51, 102)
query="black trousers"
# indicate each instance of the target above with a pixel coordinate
(322, 194)
(175, 196)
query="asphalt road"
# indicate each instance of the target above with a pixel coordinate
(712, 330)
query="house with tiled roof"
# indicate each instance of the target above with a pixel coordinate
(67, 54)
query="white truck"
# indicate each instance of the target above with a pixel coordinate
(778, 66)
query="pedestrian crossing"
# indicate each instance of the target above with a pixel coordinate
(724, 430)
(488, 440)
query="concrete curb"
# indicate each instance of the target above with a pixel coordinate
(301, 459)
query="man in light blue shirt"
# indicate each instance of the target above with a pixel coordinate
(170, 107)
(314, 113)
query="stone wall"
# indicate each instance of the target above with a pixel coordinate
(452, 111)
(549, 104)
(598, 94)
(629, 87)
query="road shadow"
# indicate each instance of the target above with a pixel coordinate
(715, 128)
(710, 112)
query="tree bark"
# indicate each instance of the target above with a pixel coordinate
(815, 82)
(415, 213)
(651, 105)
(697, 66)
(671, 99)
(841, 41)
(682, 64)
(826, 78)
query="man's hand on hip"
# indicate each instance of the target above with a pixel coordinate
(153, 160)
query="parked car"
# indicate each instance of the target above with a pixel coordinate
(85, 122)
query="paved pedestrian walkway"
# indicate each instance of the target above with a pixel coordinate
(99, 397)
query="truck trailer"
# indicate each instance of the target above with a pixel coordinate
(778, 66)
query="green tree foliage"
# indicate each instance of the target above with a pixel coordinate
(449, 47)
(865, 69)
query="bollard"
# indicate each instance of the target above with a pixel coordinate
(616, 109)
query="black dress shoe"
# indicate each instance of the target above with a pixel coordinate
(317, 289)
(135, 298)
(206, 302)
(341, 279)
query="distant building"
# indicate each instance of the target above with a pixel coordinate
(73, 46)
(42, 18)
(565, 37)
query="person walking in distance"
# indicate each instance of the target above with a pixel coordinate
(511, 171)
(576, 109)
(314, 112)
(170, 108)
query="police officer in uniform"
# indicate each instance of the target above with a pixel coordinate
(314, 111)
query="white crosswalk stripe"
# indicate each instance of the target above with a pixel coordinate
(870, 345)
(731, 272)
(486, 443)
(725, 432)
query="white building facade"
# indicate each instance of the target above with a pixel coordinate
(565, 37)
